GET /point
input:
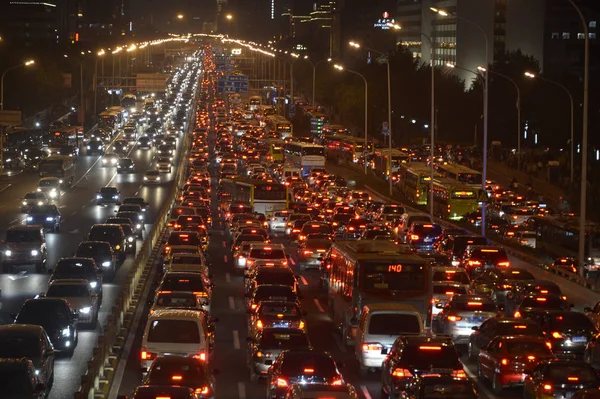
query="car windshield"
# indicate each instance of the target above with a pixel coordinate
(179, 331)
(67, 291)
(569, 374)
(48, 183)
(428, 356)
(30, 235)
(181, 299)
(125, 162)
(394, 324)
(152, 173)
(109, 190)
(14, 344)
(41, 312)
(91, 250)
(34, 196)
(73, 266)
(45, 209)
(283, 340)
(104, 234)
(519, 348)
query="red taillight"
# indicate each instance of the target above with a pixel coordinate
(459, 374)
(414, 237)
(203, 391)
(454, 318)
(282, 382)
(402, 373)
(145, 355)
(201, 356)
(504, 362)
(337, 381)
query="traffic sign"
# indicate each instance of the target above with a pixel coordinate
(482, 196)
(229, 84)
(385, 128)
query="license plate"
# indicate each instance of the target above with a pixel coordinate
(277, 298)
(428, 239)
(281, 325)
(579, 339)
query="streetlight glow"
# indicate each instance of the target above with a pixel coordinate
(30, 62)
(101, 53)
(179, 16)
(354, 44)
(338, 67)
(529, 75)
(482, 69)
(229, 17)
(394, 26)
(450, 65)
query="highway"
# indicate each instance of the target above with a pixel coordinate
(79, 212)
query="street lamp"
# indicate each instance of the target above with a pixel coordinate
(179, 16)
(533, 76)
(389, 88)
(314, 76)
(485, 105)
(229, 17)
(26, 64)
(341, 68)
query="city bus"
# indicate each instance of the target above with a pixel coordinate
(107, 120)
(279, 127)
(128, 102)
(264, 196)
(304, 156)
(254, 103)
(452, 200)
(381, 161)
(460, 173)
(414, 181)
(357, 273)
(276, 149)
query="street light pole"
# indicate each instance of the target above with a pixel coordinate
(314, 76)
(572, 110)
(341, 68)
(584, 140)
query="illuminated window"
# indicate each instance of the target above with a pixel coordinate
(566, 35)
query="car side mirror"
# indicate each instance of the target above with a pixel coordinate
(475, 328)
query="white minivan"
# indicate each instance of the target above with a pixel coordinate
(176, 332)
(379, 326)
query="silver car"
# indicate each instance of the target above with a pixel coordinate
(442, 292)
(152, 177)
(80, 295)
(463, 312)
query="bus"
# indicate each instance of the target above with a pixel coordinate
(279, 127)
(107, 120)
(452, 200)
(460, 173)
(264, 196)
(381, 161)
(414, 181)
(304, 156)
(128, 102)
(60, 166)
(254, 103)
(357, 273)
(276, 150)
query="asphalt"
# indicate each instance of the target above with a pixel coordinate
(79, 212)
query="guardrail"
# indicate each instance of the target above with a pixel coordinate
(540, 263)
(97, 380)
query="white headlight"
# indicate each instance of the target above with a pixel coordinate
(145, 178)
(130, 239)
(29, 218)
(86, 310)
(34, 252)
(88, 147)
(60, 182)
(66, 332)
(98, 196)
(49, 218)
(39, 190)
(8, 252)
(40, 203)
(93, 284)
(106, 264)
(24, 202)
(138, 226)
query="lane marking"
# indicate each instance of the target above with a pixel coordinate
(242, 390)
(319, 305)
(73, 213)
(228, 277)
(225, 258)
(231, 303)
(303, 280)
(224, 244)
(136, 193)
(292, 261)
(365, 392)
(236, 339)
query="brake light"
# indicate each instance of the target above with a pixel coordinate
(307, 252)
(282, 382)
(202, 391)
(459, 374)
(474, 263)
(402, 373)
(371, 347)
(573, 379)
(201, 356)
(504, 362)
(177, 378)
(454, 318)
(414, 237)
(259, 324)
(557, 335)
(301, 325)
(449, 292)
(474, 303)
(517, 314)
(530, 357)
(254, 306)
(337, 381)
(147, 355)
(547, 387)
(541, 299)
(503, 264)
(430, 348)
(309, 371)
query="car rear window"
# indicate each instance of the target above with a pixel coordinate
(67, 291)
(430, 356)
(571, 373)
(451, 275)
(284, 340)
(527, 348)
(394, 324)
(177, 331)
(73, 266)
(319, 364)
(180, 299)
(571, 320)
(531, 329)
(183, 239)
(274, 293)
(474, 306)
(262, 253)
(546, 302)
(442, 289)
(312, 228)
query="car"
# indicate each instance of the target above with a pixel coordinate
(80, 268)
(80, 296)
(108, 195)
(164, 164)
(31, 342)
(144, 142)
(304, 367)
(451, 275)
(95, 146)
(129, 231)
(50, 186)
(135, 219)
(102, 254)
(175, 300)
(442, 292)
(125, 165)
(559, 379)
(478, 258)
(572, 334)
(413, 357)
(276, 314)
(152, 176)
(182, 371)
(308, 391)
(461, 313)
(55, 316)
(110, 160)
(161, 391)
(439, 387)
(18, 379)
(137, 201)
(34, 198)
(498, 282)
(311, 251)
(24, 245)
(46, 216)
(111, 233)
(507, 360)
(534, 306)
(188, 282)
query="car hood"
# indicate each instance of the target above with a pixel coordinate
(22, 245)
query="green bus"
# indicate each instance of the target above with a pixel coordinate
(452, 200)
(414, 181)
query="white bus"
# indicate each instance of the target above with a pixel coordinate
(304, 156)
(254, 103)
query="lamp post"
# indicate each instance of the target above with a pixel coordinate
(26, 63)
(518, 105)
(314, 75)
(584, 139)
(389, 93)
(100, 54)
(341, 68)
(485, 106)
(572, 155)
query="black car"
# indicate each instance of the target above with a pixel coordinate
(441, 388)
(136, 222)
(46, 216)
(161, 391)
(497, 326)
(128, 229)
(125, 165)
(569, 332)
(80, 268)
(95, 146)
(304, 367)
(108, 195)
(418, 356)
(136, 201)
(57, 318)
(183, 371)
(111, 233)
(144, 142)
(559, 379)
(101, 252)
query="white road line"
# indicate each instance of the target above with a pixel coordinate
(365, 391)
(225, 258)
(236, 339)
(224, 244)
(228, 278)
(303, 280)
(231, 303)
(136, 193)
(242, 390)
(73, 213)
(480, 384)
(319, 305)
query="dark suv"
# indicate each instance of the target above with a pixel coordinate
(108, 195)
(111, 233)
(102, 254)
(24, 245)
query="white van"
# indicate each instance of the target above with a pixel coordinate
(176, 332)
(526, 238)
(290, 172)
(379, 326)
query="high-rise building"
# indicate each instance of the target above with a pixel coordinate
(460, 37)
(103, 21)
